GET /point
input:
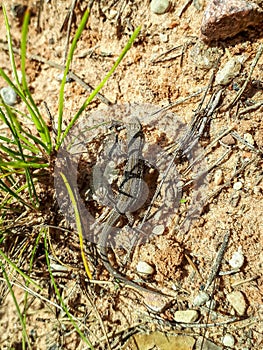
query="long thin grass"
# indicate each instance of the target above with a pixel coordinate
(23, 153)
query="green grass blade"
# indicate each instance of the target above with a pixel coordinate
(99, 87)
(9, 285)
(22, 164)
(30, 269)
(13, 194)
(69, 60)
(36, 115)
(23, 98)
(23, 90)
(78, 223)
(8, 151)
(10, 46)
(23, 49)
(20, 272)
(61, 300)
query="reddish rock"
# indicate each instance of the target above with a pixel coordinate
(226, 18)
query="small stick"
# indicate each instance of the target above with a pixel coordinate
(218, 261)
(250, 108)
(162, 58)
(244, 142)
(184, 7)
(252, 67)
(198, 325)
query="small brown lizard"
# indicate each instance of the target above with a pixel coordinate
(127, 200)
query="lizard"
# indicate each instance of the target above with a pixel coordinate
(127, 199)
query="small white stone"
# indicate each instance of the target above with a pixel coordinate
(158, 230)
(144, 268)
(237, 185)
(112, 14)
(211, 304)
(237, 259)
(163, 38)
(228, 340)
(218, 177)
(8, 95)
(237, 301)
(159, 6)
(201, 299)
(230, 70)
(249, 138)
(60, 77)
(186, 316)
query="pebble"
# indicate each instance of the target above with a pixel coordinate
(204, 57)
(112, 14)
(61, 75)
(158, 230)
(228, 140)
(235, 198)
(201, 299)
(228, 340)
(230, 70)
(9, 95)
(226, 18)
(186, 316)
(164, 38)
(218, 177)
(237, 259)
(249, 138)
(237, 185)
(144, 268)
(211, 304)
(159, 6)
(155, 303)
(237, 301)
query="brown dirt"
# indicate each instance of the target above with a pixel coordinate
(182, 260)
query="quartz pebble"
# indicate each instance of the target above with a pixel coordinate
(211, 304)
(61, 75)
(237, 301)
(186, 316)
(144, 268)
(249, 138)
(159, 6)
(8, 95)
(230, 70)
(164, 38)
(218, 177)
(237, 185)
(226, 18)
(158, 230)
(228, 340)
(237, 259)
(201, 299)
